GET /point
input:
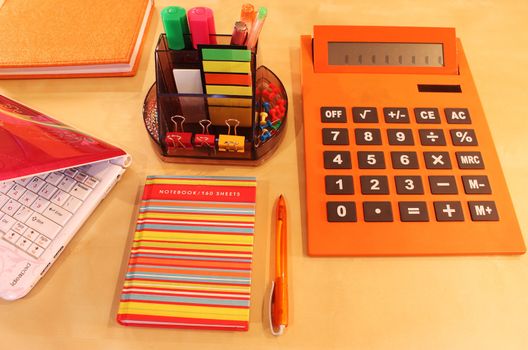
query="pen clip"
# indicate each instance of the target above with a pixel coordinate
(280, 331)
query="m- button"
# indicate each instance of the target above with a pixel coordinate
(333, 115)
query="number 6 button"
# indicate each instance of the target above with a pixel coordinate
(341, 211)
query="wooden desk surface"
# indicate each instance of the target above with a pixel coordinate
(336, 303)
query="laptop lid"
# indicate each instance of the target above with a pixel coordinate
(33, 143)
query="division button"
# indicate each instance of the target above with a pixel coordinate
(483, 211)
(371, 160)
(437, 160)
(337, 160)
(427, 115)
(477, 184)
(448, 211)
(413, 211)
(341, 211)
(364, 114)
(335, 184)
(463, 137)
(333, 115)
(443, 185)
(334, 136)
(457, 116)
(396, 115)
(374, 184)
(409, 185)
(432, 137)
(377, 211)
(470, 160)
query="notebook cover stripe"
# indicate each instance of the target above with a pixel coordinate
(190, 259)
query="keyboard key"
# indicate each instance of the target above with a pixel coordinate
(42, 176)
(6, 223)
(81, 191)
(331, 136)
(413, 211)
(72, 204)
(11, 237)
(341, 211)
(427, 115)
(60, 197)
(92, 181)
(448, 211)
(377, 211)
(483, 211)
(23, 243)
(66, 184)
(80, 177)
(432, 137)
(457, 116)
(463, 137)
(437, 160)
(368, 136)
(332, 115)
(364, 114)
(43, 241)
(404, 160)
(332, 160)
(11, 207)
(39, 205)
(47, 191)
(396, 115)
(470, 160)
(339, 184)
(400, 137)
(31, 234)
(24, 182)
(71, 172)
(6, 186)
(371, 160)
(54, 178)
(57, 214)
(19, 228)
(3, 199)
(35, 250)
(16, 191)
(28, 198)
(374, 184)
(36, 184)
(477, 184)
(43, 225)
(23, 213)
(443, 185)
(409, 185)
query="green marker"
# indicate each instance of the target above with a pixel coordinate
(174, 20)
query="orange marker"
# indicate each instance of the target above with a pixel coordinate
(247, 15)
(279, 288)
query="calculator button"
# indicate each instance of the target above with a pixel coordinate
(341, 211)
(396, 115)
(448, 211)
(371, 160)
(377, 211)
(476, 184)
(404, 160)
(374, 184)
(443, 185)
(427, 115)
(364, 114)
(437, 160)
(333, 115)
(335, 136)
(483, 211)
(368, 137)
(409, 185)
(337, 160)
(432, 137)
(339, 184)
(400, 137)
(470, 160)
(457, 116)
(413, 211)
(463, 137)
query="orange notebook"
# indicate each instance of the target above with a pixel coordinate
(71, 38)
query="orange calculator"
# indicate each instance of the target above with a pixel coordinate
(399, 157)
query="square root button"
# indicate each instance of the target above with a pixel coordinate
(483, 211)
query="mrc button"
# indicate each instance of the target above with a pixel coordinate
(470, 160)
(333, 115)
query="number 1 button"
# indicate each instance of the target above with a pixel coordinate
(341, 211)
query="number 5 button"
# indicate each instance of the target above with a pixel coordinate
(341, 211)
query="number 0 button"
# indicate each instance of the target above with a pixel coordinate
(341, 211)
(337, 160)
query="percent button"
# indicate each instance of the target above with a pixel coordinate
(463, 137)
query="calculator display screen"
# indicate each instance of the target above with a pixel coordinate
(385, 54)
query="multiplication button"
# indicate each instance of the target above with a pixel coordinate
(448, 211)
(333, 115)
(483, 211)
(437, 160)
(364, 114)
(377, 211)
(413, 211)
(341, 211)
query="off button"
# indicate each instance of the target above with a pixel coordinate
(333, 115)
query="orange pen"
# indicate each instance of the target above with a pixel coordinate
(279, 289)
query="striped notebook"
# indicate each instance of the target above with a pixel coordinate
(190, 261)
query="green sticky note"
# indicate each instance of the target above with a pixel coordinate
(226, 55)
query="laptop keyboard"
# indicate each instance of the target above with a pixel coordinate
(33, 210)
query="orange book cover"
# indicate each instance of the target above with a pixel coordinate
(71, 38)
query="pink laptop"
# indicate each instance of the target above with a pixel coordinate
(52, 177)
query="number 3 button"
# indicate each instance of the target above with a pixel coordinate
(341, 211)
